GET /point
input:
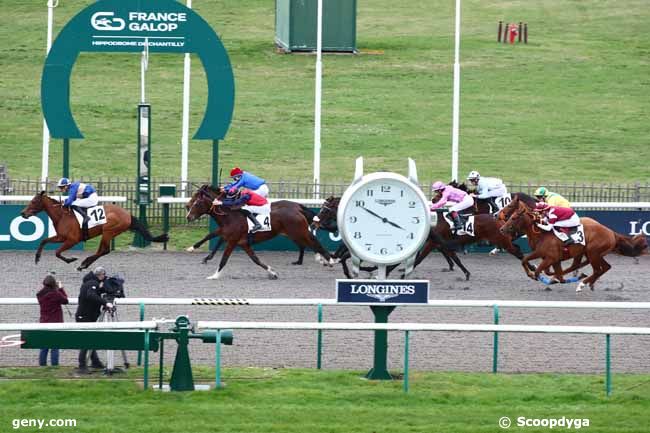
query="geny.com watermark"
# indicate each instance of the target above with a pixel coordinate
(564, 422)
(41, 423)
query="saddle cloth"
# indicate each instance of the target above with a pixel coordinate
(468, 225)
(502, 201)
(96, 216)
(577, 235)
(264, 219)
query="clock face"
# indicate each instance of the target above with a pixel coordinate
(384, 219)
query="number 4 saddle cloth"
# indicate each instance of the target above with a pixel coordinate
(265, 221)
(96, 216)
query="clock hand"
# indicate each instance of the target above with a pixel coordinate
(385, 220)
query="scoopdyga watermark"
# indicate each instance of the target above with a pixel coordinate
(551, 423)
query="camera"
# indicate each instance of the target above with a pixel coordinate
(113, 288)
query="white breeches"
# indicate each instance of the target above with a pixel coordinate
(87, 202)
(468, 201)
(498, 191)
(571, 222)
(266, 209)
(262, 190)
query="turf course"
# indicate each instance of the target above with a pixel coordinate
(288, 400)
(572, 105)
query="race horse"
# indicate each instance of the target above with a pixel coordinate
(326, 219)
(287, 218)
(599, 241)
(69, 233)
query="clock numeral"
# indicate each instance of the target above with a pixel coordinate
(357, 235)
(411, 236)
(416, 220)
(359, 203)
(368, 247)
(400, 247)
(385, 188)
(353, 219)
(383, 251)
(412, 205)
(369, 193)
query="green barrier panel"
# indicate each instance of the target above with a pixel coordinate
(81, 339)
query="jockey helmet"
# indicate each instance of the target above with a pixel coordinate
(236, 172)
(473, 175)
(437, 186)
(541, 192)
(542, 206)
(64, 181)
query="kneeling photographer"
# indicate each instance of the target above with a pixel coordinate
(89, 309)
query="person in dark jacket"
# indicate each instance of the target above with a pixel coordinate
(50, 298)
(89, 309)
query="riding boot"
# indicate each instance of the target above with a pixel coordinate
(84, 224)
(494, 208)
(256, 224)
(458, 225)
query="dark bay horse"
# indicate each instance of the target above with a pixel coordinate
(68, 231)
(326, 219)
(287, 218)
(599, 241)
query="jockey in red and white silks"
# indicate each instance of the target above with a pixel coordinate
(555, 216)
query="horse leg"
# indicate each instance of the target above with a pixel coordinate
(300, 256)
(527, 266)
(546, 263)
(104, 248)
(66, 246)
(42, 245)
(224, 259)
(207, 237)
(454, 257)
(272, 274)
(599, 265)
(213, 252)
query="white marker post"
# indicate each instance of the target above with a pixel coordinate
(51, 4)
(317, 103)
(185, 126)
(456, 102)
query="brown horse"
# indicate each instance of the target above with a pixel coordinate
(287, 218)
(68, 231)
(599, 241)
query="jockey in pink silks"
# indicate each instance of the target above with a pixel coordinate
(460, 198)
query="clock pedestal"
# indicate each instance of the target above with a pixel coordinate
(379, 370)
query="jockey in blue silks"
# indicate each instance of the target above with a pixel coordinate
(80, 197)
(244, 179)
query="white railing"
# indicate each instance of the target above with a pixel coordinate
(23, 198)
(85, 325)
(319, 202)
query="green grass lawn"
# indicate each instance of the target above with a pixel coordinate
(294, 400)
(572, 105)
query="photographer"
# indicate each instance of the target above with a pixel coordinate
(89, 309)
(50, 298)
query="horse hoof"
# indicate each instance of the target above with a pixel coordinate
(581, 285)
(213, 276)
(446, 270)
(494, 252)
(272, 274)
(37, 259)
(467, 277)
(189, 249)
(296, 263)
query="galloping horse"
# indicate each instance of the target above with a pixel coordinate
(68, 231)
(287, 218)
(326, 219)
(599, 240)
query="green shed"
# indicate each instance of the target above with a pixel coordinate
(296, 26)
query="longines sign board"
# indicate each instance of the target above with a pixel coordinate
(382, 292)
(18, 233)
(165, 26)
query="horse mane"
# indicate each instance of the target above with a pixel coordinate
(527, 199)
(461, 186)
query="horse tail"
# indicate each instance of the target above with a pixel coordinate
(630, 246)
(137, 226)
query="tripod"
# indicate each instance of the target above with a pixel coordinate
(110, 315)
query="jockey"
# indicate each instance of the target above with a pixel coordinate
(552, 198)
(80, 197)
(556, 216)
(244, 179)
(460, 198)
(251, 204)
(487, 188)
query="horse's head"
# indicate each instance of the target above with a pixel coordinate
(326, 218)
(461, 186)
(201, 201)
(521, 219)
(36, 205)
(507, 211)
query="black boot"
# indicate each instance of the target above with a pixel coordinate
(257, 225)
(494, 208)
(84, 224)
(458, 225)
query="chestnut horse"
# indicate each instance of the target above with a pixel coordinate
(599, 240)
(68, 231)
(287, 218)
